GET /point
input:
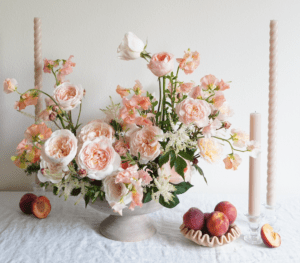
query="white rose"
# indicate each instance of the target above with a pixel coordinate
(131, 47)
(59, 150)
(50, 172)
(98, 158)
(68, 96)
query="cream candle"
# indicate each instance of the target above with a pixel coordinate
(254, 167)
(272, 114)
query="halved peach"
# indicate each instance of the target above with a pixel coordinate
(269, 237)
(41, 207)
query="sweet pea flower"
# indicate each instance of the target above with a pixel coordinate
(131, 47)
(128, 175)
(26, 99)
(232, 161)
(142, 101)
(225, 111)
(189, 62)
(122, 92)
(44, 115)
(48, 64)
(161, 64)
(211, 129)
(52, 172)
(218, 99)
(185, 87)
(254, 148)
(143, 121)
(209, 82)
(66, 69)
(127, 115)
(10, 85)
(197, 93)
(37, 132)
(138, 88)
(210, 149)
(223, 85)
(136, 195)
(240, 138)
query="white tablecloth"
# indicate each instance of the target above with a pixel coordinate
(70, 234)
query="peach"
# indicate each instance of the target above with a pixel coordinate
(228, 209)
(194, 218)
(41, 207)
(217, 224)
(269, 237)
(26, 203)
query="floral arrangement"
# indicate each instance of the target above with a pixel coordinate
(145, 149)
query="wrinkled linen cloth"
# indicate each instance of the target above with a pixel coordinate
(70, 234)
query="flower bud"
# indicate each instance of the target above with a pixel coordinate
(82, 173)
(43, 171)
(227, 125)
(55, 108)
(52, 116)
(179, 96)
(195, 161)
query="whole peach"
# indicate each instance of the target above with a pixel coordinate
(217, 224)
(194, 218)
(26, 202)
(228, 209)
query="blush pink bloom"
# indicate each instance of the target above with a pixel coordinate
(138, 88)
(197, 93)
(37, 132)
(143, 121)
(144, 142)
(223, 85)
(211, 129)
(98, 158)
(209, 82)
(225, 112)
(68, 96)
(122, 92)
(143, 102)
(33, 152)
(239, 137)
(59, 150)
(232, 161)
(48, 64)
(10, 85)
(210, 149)
(185, 87)
(189, 62)
(218, 99)
(66, 69)
(52, 172)
(136, 195)
(193, 111)
(29, 98)
(127, 115)
(254, 148)
(94, 129)
(128, 176)
(145, 176)
(44, 115)
(161, 64)
(121, 147)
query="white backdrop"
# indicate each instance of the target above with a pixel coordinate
(232, 38)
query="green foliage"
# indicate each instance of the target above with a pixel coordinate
(182, 187)
(180, 165)
(172, 203)
(32, 168)
(200, 172)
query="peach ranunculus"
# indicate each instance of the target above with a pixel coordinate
(131, 47)
(186, 87)
(144, 142)
(59, 150)
(209, 82)
(122, 91)
(193, 111)
(225, 112)
(44, 115)
(28, 98)
(239, 137)
(189, 62)
(10, 85)
(232, 161)
(66, 69)
(121, 147)
(98, 158)
(68, 96)
(161, 64)
(174, 177)
(210, 149)
(37, 132)
(95, 129)
(116, 194)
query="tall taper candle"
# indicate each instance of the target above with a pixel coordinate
(272, 114)
(254, 167)
(38, 62)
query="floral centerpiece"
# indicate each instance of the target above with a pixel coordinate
(145, 149)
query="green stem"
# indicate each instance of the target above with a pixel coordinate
(78, 116)
(56, 125)
(159, 101)
(57, 83)
(164, 99)
(232, 149)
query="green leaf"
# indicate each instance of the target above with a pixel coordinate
(147, 197)
(173, 158)
(75, 191)
(182, 187)
(188, 155)
(55, 190)
(180, 164)
(170, 204)
(200, 172)
(86, 199)
(163, 159)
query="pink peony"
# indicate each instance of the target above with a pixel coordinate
(209, 82)
(122, 92)
(161, 64)
(144, 142)
(68, 96)
(37, 132)
(189, 62)
(193, 111)
(10, 85)
(121, 147)
(185, 87)
(232, 161)
(98, 158)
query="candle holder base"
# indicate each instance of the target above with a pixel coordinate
(253, 236)
(271, 216)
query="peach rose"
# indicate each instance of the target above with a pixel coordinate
(98, 158)
(121, 147)
(210, 149)
(68, 96)
(59, 150)
(144, 142)
(95, 129)
(193, 111)
(161, 63)
(10, 85)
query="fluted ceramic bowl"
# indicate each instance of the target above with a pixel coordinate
(132, 226)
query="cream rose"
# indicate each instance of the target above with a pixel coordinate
(50, 172)
(131, 47)
(193, 111)
(68, 96)
(98, 158)
(59, 150)
(144, 142)
(161, 63)
(95, 129)
(210, 149)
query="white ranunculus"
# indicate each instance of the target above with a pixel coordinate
(59, 150)
(131, 47)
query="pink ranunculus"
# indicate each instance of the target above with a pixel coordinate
(122, 92)
(189, 62)
(209, 82)
(210, 130)
(127, 115)
(225, 112)
(98, 158)
(161, 64)
(116, 194)
(131, 47)
(174, 177)
(138, 88)
(37, 132)
(121, 147)
(128, 175)
(193, 111)
(232, 161)
(68, 96)
(186, 87)
(59, 150)
(144, 142)
(10, 85)
(223, 85)
(94, 129)
(239, 137)
(218, 99)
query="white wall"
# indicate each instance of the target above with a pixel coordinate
(231, 36)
